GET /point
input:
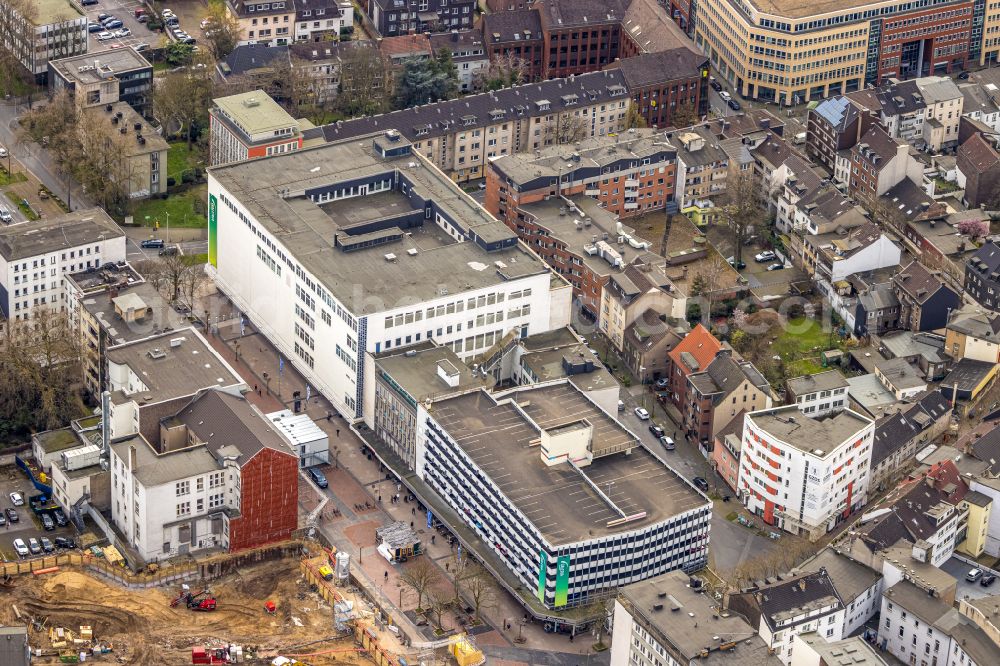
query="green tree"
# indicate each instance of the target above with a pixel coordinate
(426, 81)
(177, 54)
(634, 119)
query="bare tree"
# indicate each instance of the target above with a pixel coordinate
(16, 34)
(684, 115)
(176, 277)
(39, 374)
(706, 281)
(633, 118)
(222, 34)
(183, 98)
(741, 209)
(504, 71)
(478, 585)
(364, 76)
(566, 128)
(420, 577)
(440, 600)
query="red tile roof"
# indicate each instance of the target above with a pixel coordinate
(701, 344)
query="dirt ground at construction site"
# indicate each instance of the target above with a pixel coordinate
(143, 628)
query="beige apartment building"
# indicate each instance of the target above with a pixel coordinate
(794, 51)
(460, 136)
(268, 23)
(628, 295)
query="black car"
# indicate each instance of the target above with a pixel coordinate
(734, 105)
(168, 251)
(63, 542)
(95, 27)
(700, 483)
(987, 579)
(46, 544)
(318, 477)
(12, 515)
(656, 430)
(963, 76)
(152, 242)
(716, 86)
(60, 518)
(48, 523)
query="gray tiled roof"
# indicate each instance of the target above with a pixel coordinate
(485, 108)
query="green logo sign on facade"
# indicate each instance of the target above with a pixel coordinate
(562, 580)
(543, 566)
(213, 230)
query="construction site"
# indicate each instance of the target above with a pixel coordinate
(276, 612)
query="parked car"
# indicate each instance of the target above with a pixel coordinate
(95, 27)
(141, 46)
(87, 3)
(318, 477)
(734, 105)
(152, 242)
(21, 548)
(186, 39)
(168, 251)
(60, 518)
(16, 499)
(3, 518)
(776, 266)
(34, 546)
(974, 575)
(662, 383)
(641, 413)
(963, 76)
(48, 523)
(47, 545)
(142, 18)
(766, 255)
(107, 19)
(668, 443)
(987, 579)
(725, 96)
(732, 262)
(656, 430)
(5, 215)
(104, 36)
(12, 516)
(63, 542)
(716, 86)
(112, 25)
(700, 483)
(621, 405)
(102, 17)
(123, 32)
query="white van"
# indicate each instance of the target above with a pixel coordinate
(799, 138)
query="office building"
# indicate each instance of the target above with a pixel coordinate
(805, 474)
(55, 29)
(248, 126)
(99, 79)
(358, 247)
(623, 515)
(34, 257)
(144, 151)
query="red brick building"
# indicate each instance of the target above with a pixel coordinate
(921, 43)
(662, 82)
(514, 38)
(234, 430)
(580, 35)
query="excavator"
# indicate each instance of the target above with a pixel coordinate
(200, 601)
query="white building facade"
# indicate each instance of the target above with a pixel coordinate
(795, 477)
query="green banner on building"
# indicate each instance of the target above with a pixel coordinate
(542, 569)
(213, 230)
(562, 580)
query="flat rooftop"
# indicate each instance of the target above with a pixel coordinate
(81, 227)
(169, 371)
(547, 364)
(274, 191)
(415, 370)
(821, 381)
(689, 629)
(54, 11)
(254, 112)
(90, 68)
(815, 435)
(562, 504)
(162, 319)
(852, 651)
(129, 121)
(596, 225)
(795, 9)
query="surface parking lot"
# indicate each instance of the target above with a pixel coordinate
(125, 11)
(28, 525)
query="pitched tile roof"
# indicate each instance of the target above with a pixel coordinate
(917, 282)
(877, 147)
(649, 25)
(892, 433)
(517, 25)
(229, 425)
(647, 69)
(700, 347)
(558, 14)
(979, 152)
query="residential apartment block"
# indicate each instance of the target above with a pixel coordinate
(322, 20)
(805, 474)
(818, 394)
(34, 257)
(401, 17)
(269, 23)
(331, 282)
(982, 276)
(726, 388)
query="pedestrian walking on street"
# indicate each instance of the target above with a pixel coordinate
(338, 432)
(387, 575)
(413, 512)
